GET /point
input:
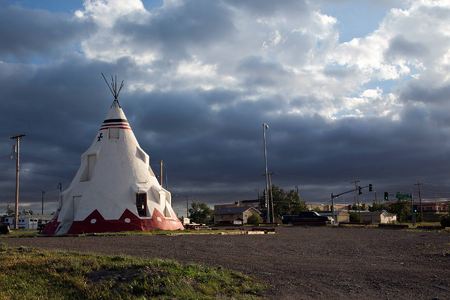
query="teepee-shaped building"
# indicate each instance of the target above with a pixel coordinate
(115, 188)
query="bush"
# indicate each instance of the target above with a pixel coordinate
(445, 221)
(354, 217)
(254, 219)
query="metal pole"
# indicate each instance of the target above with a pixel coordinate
(332, 205)
(420, 201)
(187, 206)
(266, 196)
(357, 198)
(42, 200)
(161, 172)
(16, 211)
(271, 199)
(59, 196)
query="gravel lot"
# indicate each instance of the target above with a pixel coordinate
(300, 262)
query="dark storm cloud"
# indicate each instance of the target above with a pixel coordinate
(426, 92)
(399, 46)
(214, 154)
(258, 72)
(206, 149)
(59, 107)
(193, 23)
(211, 141)
(26, 32)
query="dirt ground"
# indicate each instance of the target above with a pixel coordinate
(300, 262)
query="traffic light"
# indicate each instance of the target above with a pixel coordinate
(386, 196)
(359, 190)
(370, 187)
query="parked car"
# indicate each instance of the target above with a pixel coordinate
(305, 218)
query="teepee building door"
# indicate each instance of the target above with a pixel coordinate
(141, 204)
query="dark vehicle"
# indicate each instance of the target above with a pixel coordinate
(4, 229)
(311, 218)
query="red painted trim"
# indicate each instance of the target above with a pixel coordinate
(50, 228)
(135, 223)
(122, 127)
(116, 124)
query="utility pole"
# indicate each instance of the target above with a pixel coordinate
(161, 164)
(357, 198)
(272, 219)
(413, 213)
(42, 200)
(420, 200)
(187, 206)
(17, 157)
(332, 205)
(266, 194)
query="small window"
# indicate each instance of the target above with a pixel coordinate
(154, 193)
(140, 154)
(113, 133)
(89, 167)
(167, 212)
(141, 204)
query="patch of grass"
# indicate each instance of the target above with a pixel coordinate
(21, 233)
(27, 273)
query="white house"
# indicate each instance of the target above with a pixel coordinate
(378, 217)
(27, 221)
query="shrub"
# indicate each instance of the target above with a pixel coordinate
(354, 217)
(254, 219)
(445, 221)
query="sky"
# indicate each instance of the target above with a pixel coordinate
(351, 90)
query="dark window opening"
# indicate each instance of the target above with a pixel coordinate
(141, 204)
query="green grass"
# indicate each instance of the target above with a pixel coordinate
(27, 273)
(21, 233)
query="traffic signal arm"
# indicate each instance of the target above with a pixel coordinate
(359, 189)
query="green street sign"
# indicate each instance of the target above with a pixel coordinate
(402, 196)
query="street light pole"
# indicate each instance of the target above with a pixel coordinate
(266, 194)
(17, 157)
(272, 215)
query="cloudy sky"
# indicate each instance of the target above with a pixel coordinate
(351, 90)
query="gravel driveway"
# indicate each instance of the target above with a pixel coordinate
(300, 262)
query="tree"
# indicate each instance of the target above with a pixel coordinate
(402, 208)
(200, 213)
(26, 212)
(377, 207)
(9, 210)
(354, 217)
(286, 203)
(254, 219)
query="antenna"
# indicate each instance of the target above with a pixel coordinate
(112, 86)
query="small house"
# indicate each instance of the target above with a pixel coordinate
(378, 217)
(235, 215)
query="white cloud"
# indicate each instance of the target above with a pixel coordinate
(295, 57)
